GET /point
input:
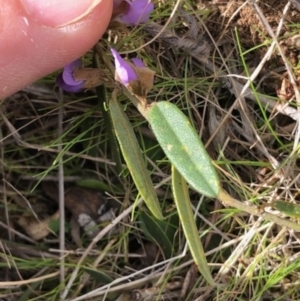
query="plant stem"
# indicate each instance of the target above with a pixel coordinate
(229, 201)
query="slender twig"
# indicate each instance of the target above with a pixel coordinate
(296, 4)
(17, 233)
(17, 284)
(286, 63)
(61, 190)
(110, 288)
(176, 6)
(86, 276)
(234, 86)
(93, 243)
(102, 233)
(6, 211)
(15, 133)
(239, 249)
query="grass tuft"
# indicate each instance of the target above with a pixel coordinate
(232, 69)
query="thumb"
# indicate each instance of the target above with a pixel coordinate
(38, 37)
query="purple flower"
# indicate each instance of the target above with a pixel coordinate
(135, 76)
(138, 12)
(124, 70)
(66, 80)
(138, 62)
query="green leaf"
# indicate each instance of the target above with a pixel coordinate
(160, 231)
(100, 276)
(289, 209)
(101, 95)
(54, 225)
(183, 147)
(97, 185)
(29, 291)
(183, 204)
(133, 157)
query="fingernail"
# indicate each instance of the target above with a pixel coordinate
(58, 13)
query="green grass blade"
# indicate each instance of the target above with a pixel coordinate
(182, 200)
(101, 95)
(289, 209)
(98, 275)
(159, 231)
(133, 157)
(97, 185)
(183, 147)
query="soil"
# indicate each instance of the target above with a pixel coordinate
(236, 15)
(252, 31)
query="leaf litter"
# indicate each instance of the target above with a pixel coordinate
(205, 56)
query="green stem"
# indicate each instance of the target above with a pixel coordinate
(229, 201)
(114, 146)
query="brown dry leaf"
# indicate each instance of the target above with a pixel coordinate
(286, 90)
(151, 252)
(75, 232)
(143, 84)
(146, 78)
(93, 77)
(89, 209)
(189, 281)
(37, 229)
(296, 41)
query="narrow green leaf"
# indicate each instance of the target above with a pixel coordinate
(183, 147)
(101, 95)
(160, 231)
(97, 185)
(29, 291)
(133, 157)
(100, 276)
(183, 204)
(289, 209)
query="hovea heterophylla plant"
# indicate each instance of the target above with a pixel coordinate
(176, 136)
(188, 156)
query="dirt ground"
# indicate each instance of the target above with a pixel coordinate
(251, 30)
(240, 16)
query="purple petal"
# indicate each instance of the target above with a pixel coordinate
(71, 66)
(67, 74)
(124, 71)
(68, 88)
(138, 62)
(138, 12)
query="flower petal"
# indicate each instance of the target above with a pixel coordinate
(67, 74)
(138, 62)
(124, 70)
(68, 88)
(139, 12)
